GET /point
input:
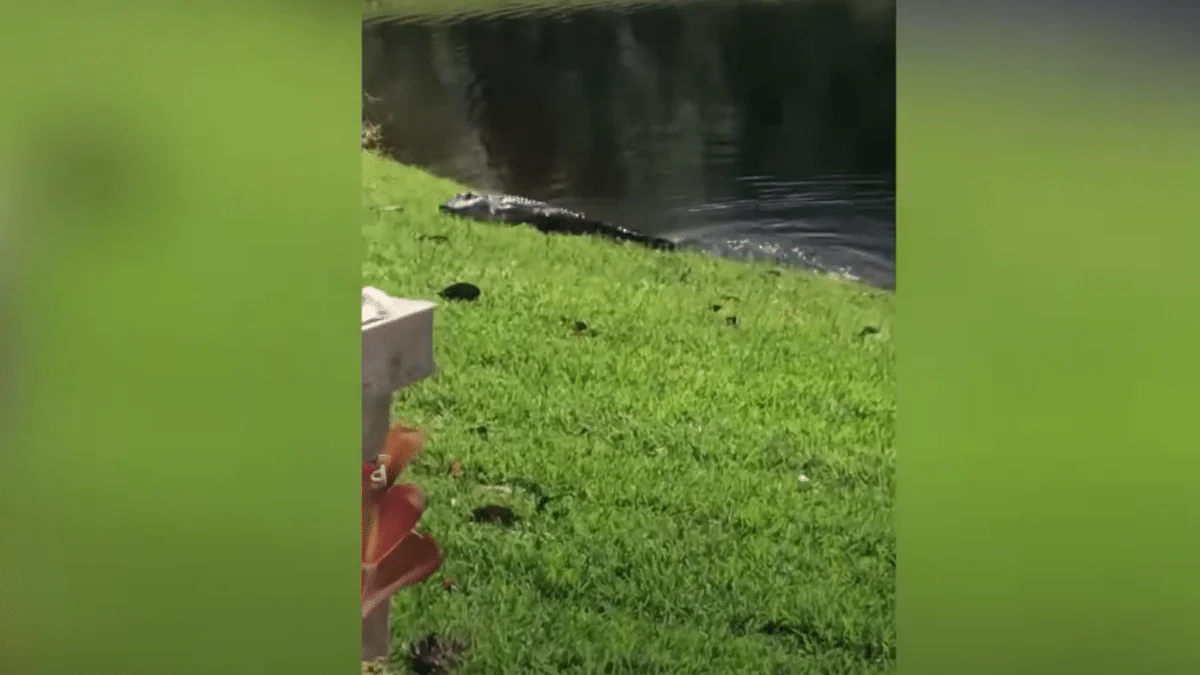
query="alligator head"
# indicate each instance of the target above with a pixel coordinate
(467, 204)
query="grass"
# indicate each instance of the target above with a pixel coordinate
(653, 456)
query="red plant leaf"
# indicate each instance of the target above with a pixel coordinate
(414, 560)
(393, 556)
(401, 446)
(395, 517)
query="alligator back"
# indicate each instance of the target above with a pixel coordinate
(504, 208)
(511, 209)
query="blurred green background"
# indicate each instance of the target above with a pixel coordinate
(1047, 356)
(189, 189)
(186, 339)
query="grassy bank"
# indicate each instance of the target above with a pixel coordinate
(652, 447)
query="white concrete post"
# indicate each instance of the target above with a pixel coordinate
(397, 350)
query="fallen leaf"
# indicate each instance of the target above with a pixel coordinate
(494, 514)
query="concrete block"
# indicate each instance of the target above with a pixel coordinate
(397, 342)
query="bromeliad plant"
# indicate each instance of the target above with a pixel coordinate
(393, 554)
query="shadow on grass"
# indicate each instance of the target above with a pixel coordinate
(809, 638)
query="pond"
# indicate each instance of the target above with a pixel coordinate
(746, 129)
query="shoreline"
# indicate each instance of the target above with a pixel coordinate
(763, 250)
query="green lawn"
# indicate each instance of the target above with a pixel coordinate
(654, 457)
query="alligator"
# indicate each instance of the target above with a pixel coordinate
(513, 210)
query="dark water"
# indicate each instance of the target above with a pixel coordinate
(745, 129)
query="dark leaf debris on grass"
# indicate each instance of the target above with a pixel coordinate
(460, 291)
(436, 654)
(495, 514)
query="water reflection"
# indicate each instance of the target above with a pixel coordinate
(740, 128)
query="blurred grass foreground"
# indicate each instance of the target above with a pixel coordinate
(695, 455)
